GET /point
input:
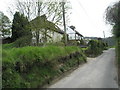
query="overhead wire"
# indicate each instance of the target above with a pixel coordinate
(85, 12)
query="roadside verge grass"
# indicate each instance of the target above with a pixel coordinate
(32, 67)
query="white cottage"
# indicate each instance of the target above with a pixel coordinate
(45, 30)
(73, 34)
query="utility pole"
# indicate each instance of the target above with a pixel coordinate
(39, 7)
(37, 32)
(63, 8)
(104, 34)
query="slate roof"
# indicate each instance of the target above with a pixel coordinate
(42, 22)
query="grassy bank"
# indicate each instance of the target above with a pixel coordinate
(32, 67)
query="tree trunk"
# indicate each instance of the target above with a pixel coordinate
(37, 38)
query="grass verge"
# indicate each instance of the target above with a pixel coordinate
(32, 67)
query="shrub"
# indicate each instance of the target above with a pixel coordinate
(55, 44)
(8, 46)
(23, 41)
(95, 47)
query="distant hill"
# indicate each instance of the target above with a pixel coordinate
(109, 40)
(93, 38)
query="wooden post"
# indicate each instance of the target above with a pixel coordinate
(63, 3)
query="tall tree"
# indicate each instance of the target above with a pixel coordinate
(20, 26)
(42, 25)
(52, 9)
(113, 18)
(5, 24)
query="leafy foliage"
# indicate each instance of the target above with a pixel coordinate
(95, 47)
(20, 28)
(23, 41)
(5, 24)
(113, 13)
(113, 17)
(52, 9)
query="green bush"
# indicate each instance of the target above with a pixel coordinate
(8, 46)
(23, 41)
(55, 44)
(95, 47)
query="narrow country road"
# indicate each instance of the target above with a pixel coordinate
(100, 72)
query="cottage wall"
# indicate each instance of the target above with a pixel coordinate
(54, 37)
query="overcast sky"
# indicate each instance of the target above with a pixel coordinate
(87, 16)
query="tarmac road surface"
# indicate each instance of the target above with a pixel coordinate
(99, 72)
